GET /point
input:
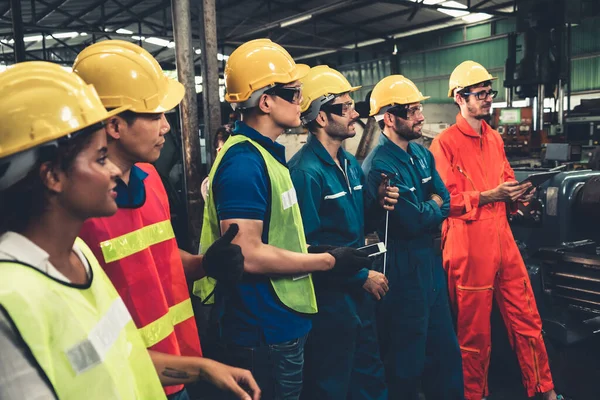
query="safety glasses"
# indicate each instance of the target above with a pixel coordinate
(481, 95)
(341, 109)
(290, 94)
(406, 112)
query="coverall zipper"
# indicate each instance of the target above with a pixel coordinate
(344, 172)
(487, 184)
(527, 296)
(466, 176)
(535, 363)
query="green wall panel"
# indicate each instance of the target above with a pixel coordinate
(479, 31)
(413, 65)
(506, 26)
(585, 74)
(585, 37)
(451, 37)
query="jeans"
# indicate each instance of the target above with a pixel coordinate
(182, 395)
(277, 368)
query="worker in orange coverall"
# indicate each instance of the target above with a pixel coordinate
(480, 255)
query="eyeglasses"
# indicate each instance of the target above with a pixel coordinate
(482, 95)
(341, 109)
(290, 94)
(405, 112)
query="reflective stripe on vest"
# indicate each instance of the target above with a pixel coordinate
(142, 259)
(159, 329)
(136, 241)
(133, 242)
(83, 339)
(285, 231)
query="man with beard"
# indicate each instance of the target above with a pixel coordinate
(329, 183)
(416, 335)
(480, 254)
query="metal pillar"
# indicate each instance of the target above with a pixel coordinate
(538, 120)
(561, 102)
(188, 111)
(210, 75)
(17, 25)
(509, 97)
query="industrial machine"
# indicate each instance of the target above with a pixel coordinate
(515, 125)
(559, 239)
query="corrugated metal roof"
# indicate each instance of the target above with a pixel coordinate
(329, 24)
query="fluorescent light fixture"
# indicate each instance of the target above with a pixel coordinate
(428, 29)
(429, 2)
(34, 38)
(317, 54)
(452, 12)
(365, 43)
(295, 21)
(135, 37)
(453, 4)
(63, 35)
(124, 31)
(83, 34)
(158, 41)
(472, 18)
(198, 51)
(222, 57)
(171, 45)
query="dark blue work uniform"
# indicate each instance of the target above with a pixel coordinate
(341, 354)
(416, 334)
(257, 331)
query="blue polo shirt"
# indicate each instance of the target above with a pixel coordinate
(331, 201)
(241, 188)
(132, 195)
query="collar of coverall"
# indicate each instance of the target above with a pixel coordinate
(397, 151)
(466, 129)
(321, 152)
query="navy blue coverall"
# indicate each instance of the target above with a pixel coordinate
(341, 356)
(416, 335)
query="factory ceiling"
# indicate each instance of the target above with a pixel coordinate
(57, 30)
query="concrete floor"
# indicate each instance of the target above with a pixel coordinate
(575, 370)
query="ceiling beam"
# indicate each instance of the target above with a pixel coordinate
(308, 14)
(49, 9)
(83, 13)
(441, 22)
(136, 16)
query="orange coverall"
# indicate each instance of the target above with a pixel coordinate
(482, 260)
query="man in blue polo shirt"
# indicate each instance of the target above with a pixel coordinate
(342, 357)
(264, 322)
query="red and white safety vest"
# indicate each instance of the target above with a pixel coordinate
(139, 253)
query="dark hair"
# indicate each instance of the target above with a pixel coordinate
(26, 200)
(128, 115)
(222, 134)
(381, 124)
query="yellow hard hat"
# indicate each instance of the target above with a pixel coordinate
(467, 74)
(256, 65)
(319, 86)
(123, 73)
(41, 102)
(394, 89)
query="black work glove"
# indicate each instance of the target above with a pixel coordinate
(223, 260)
(349, 260)
(320, 248)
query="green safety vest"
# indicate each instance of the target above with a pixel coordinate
(83, 339)
(285, 231)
